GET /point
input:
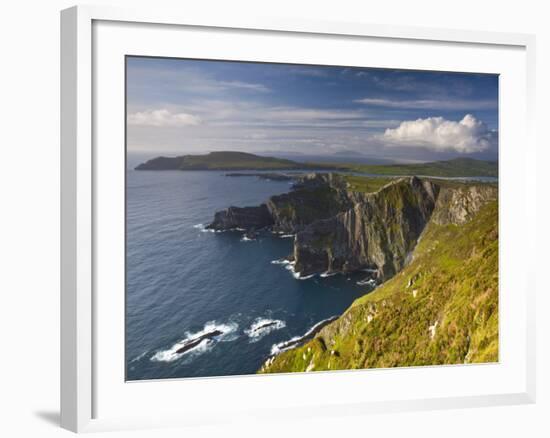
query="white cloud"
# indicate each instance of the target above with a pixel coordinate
(162, 118)
(448, 104)
(436, 133)
(223, 85)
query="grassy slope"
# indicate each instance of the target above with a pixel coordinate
(451, 168)
(224, 161)
(364, 184)
(244, 161)
(235, 160)
(458, 167)
(454, 275)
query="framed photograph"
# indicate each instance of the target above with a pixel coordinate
(336, 211)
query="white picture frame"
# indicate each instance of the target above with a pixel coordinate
(81, 374)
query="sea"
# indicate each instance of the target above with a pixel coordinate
(184, 282)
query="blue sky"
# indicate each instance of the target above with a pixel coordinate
(177, 106)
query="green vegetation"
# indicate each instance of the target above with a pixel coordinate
(440, 309)
(307, 205)
(228, 160)
(234, 160)
(364, 184)
(221, 161)
(458, 167)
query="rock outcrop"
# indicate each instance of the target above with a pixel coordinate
(341, 230)
(376, 233)
(245, 218)
(459, 204)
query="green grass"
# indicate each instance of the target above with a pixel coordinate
(234, 160)
(454, 274)
(230, 160)
(458, 167)
(364, 184)
(307, 205)
(227, 160)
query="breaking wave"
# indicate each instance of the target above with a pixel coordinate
(198, 342)
(262, 326)
(298, 340)
(289, 266)
(367, 282)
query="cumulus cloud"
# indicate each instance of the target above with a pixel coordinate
(162, 118)
(436, 133)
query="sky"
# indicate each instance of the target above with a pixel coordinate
(179, 106)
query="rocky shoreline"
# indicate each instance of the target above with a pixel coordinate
(338, 230)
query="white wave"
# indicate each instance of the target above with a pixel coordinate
(171, 354)
(328, 274)
(289, 266)
(286, 236)
(284, 346)
(367, 282)
(291, 343)
(135, 359)
(280, 262)
(262, 326)
(203, 229)
(247, 239)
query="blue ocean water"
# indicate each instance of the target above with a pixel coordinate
(182, 281)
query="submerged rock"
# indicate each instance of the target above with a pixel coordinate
(196, 341)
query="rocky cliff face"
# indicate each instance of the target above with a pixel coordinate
(441, 308)
(341, 230)
(246, 218)
(314, 197)
(458, 205)
(378, 232)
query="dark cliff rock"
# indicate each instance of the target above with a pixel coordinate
(316, 197)
(341, 230)
(378, 232)
(246, 218)
(295, 210)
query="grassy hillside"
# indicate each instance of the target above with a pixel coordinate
(440, 309)
(229, 160)
(220, 161)
(458, 167)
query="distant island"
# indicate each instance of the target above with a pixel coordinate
(227, 160)
(239, 161)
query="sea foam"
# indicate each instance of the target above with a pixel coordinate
(171, 354)
(263, 326)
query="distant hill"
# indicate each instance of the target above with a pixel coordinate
(221, 161)
(457, 167)
(229, 160)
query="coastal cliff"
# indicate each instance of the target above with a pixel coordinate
(442, 308)
(377, 232)
(431, 246)
(347, 224)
